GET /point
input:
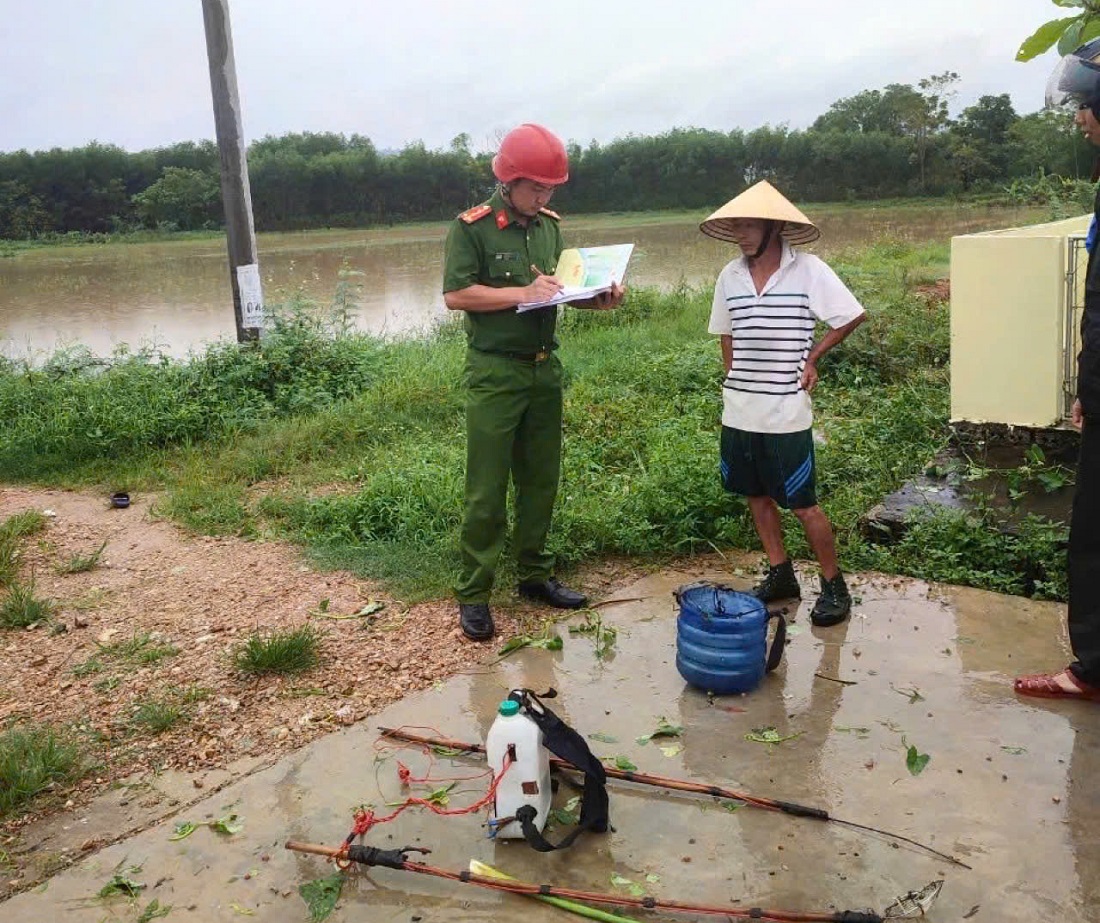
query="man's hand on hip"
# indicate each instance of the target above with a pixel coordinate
(809, 376)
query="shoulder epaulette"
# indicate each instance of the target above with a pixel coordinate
(546, 211)
(476, 213)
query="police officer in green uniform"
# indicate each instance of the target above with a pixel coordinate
(499, 255)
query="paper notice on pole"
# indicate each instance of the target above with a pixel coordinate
(252, 296)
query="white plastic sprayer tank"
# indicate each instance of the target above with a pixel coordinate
(527, 780)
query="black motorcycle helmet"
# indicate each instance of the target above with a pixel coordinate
(1076, 79)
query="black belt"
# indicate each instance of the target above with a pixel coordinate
(541, 356)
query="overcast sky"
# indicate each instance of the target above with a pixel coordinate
(133, 72)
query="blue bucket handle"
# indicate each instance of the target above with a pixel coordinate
(779, 640)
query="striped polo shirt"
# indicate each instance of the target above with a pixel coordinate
(772, 333)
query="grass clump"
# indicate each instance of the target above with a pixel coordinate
(32, 759)
(20, 525)
(140, 650)
(157, 715)
(9, 560)
(288, 651)
(82, 563)
(21, 608)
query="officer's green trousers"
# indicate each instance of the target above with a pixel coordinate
(513, 429)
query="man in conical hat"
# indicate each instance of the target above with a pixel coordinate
(767, 304)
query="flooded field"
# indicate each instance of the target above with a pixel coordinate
(175, 295)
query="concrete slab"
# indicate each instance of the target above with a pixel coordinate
(1010, 787)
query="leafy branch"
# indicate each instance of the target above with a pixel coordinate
(1068, 32)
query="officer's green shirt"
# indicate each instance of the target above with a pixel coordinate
(496, 250)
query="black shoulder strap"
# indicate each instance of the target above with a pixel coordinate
(779, 641)
(565, 743)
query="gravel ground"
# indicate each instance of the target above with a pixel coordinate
(182, 604)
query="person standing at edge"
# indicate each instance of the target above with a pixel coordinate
(766, 305)
(498, 255)
(1076, 79)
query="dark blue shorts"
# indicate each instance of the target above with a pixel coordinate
(776, 465)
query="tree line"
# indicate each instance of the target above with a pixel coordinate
(898, 141)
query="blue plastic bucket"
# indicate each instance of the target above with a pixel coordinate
(722, 638)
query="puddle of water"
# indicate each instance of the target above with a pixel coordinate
(927, 670)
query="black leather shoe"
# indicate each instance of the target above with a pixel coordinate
(476, 621)
(552, 592)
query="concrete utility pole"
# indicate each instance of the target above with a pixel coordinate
(244, 270)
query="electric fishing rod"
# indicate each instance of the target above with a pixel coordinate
(398, 859)
(698, 788)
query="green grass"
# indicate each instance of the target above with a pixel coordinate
(32, 759)
(9, 560)
(354, 449)
(20, 607)
(20, 525)
(279, 652)
(155, 716)
(141, 649)
(81, 563)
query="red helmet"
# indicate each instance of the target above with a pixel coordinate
(531, 152)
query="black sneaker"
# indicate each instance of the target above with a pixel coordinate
(476, 621)
(778, 583)
(834, 603)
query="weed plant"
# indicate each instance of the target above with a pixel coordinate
(82, 563)
(9, 560)
(33, 758)
(142, 649)
(78, 408)
(20, 525)
(280, 652)
(21, 608)
(156, 716)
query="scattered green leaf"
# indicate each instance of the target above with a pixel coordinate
(567, 815)
(672, 750)
(228, 825)
(243, 911)
(154, 911)
(183, 830)
(602, 635)
(624, 764)
(860, 732)
(913, 694)
(121, 884)
(769, 735)
(1015, 751)
(603, 738)
(635, 889)
(440, 796)
(916, 761)
(664, 729)
(732, 806)
(321, 896)
(547, 642)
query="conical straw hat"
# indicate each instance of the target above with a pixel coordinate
(762, 201)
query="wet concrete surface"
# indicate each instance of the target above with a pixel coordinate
(1010, 787)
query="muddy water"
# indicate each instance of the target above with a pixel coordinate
(175, 295)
